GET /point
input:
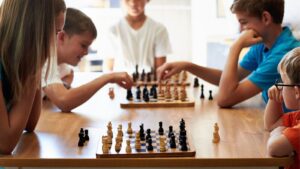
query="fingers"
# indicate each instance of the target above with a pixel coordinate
(165, 71)
(275, 94)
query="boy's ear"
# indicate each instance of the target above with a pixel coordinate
(297, 92)
(267, 18)
(61, 36)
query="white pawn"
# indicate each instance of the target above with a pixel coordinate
(137, 141)
(118, 146)
(128, 147)
(129, 130)
(109, 130)
(162, 143)
(111, 93)
(105, 147)
(216, 136)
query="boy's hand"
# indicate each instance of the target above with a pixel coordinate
(275, 94)
(122, 79)
(169, 69)
(248, 38)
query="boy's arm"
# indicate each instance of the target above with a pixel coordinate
(14, 122)
(231, 90)
(158, 61)
(68, 79)
(67, 100)
(274, 110)
(278, 145)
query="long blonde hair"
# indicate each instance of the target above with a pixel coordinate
(27, 40)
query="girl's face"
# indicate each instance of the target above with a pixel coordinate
(290, 94)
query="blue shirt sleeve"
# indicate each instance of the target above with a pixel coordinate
(250, 60)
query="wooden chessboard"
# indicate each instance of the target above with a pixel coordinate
(161, 101)
(143, 152)
(156, 103)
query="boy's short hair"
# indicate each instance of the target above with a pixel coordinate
(257, 7)
(290, 64)
(78, 23)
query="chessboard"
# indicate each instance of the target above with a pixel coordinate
(149, 78)
(161, 143)
(157, 96)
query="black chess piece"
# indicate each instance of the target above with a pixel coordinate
(149, 77)
(129, 95)
(145, 90)
(143, 75)
(81, 138)
(196, 82)
(138, 93)
(137, 72)
(154, 93)
(134, 77)
(184, 147)
(172, 141)
(210, 95)
(150, 147)
(152, 90)
(142, 132)
(146, 96)
(86, 135)
(148, 135)
(160, 129)
(202, 92)
(170, 131)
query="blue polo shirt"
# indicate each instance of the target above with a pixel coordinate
(263, 62)
(6, 90)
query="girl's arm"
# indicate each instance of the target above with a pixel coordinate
(14, 122)
(35, 112)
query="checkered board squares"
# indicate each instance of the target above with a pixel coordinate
(143, 152)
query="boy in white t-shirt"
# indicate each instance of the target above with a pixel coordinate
(72, 44)
(136, 40)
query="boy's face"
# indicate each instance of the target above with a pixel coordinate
(250, 22)
(135, 7)
(72, 48)
(289, 93)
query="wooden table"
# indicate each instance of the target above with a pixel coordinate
(54, 143)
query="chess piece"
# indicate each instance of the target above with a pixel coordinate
(143, 75)
(146, 96)
(81, 139)
(129, 95)
(111, 93)
(142, 132)
(137, 141)
(150, 146)
(148, 136)
(137, 74)
(86, 135)
(172, 141)
(162, 143)
(105, 148)
(210, 95)
(128, 147)
(170, 131)
(184, 76)
(129, 130)
(149, 77)
(118, 146)
(216, 136)
(109, 130)
(196, 82)
(160, 129)
(138, 93)
(202, 92)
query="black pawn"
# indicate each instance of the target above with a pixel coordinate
(142, 133)
(137, 74)
(160, 129)
(146, 96)
(172, 141)
(86, 135)
(202, 92)
(196, 82)
(143, 75)
(149, 77)
(129, 94)
(150, 147)
(138, 93)
(170, 131)
(81, 138)
(148, 136)
(210, 95)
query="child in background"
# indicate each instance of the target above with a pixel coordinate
(27, 36)
(285, 136)
(72, 44)
(260, 21)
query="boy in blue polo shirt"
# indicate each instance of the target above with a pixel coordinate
(260, 23)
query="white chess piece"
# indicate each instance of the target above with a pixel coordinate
(216, 136)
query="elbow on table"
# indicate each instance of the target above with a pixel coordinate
(224, 102)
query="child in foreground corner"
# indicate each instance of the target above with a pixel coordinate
(285, 136)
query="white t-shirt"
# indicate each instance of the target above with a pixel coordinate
(129, 47)
(56, 73)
